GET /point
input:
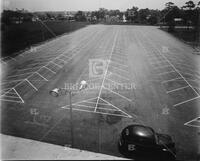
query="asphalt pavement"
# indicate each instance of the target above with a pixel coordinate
(135, 75)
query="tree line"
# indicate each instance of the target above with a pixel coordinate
(188, 14)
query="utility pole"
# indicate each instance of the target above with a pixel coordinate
(71, 120)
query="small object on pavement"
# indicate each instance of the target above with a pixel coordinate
(83, 85)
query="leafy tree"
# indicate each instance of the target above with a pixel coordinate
(132, 14)
(189, 5)
(190, 15)
(143, 14)
(169, 5)
(80, 16)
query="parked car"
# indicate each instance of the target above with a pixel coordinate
(143, 143)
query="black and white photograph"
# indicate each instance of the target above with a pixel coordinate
(100, 80)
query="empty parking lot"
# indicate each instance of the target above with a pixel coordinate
(149, 78)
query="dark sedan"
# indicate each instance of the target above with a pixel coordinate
(143, 143)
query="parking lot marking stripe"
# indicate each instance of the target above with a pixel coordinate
(8, 82)
(119, 64)
(177, 89)
(7, 100)
(118, 68)
(18, 95)
(166, 66)
(42, 67)
(174, 68)
(120, 76)
(56, 64)
(166, 72)
(41, 76)
(94, 107)
(118, 59)
(28, 68)
(104, 113)
(180, 64)
(98, 103)
(158, 62)
(61, 60)
(49, 69)
(192, 121)
(37, 63)
(89, 80)
(5, 89)
(31, 84)
(10, 96)
(87, 100)
(186, 101)
(20, 75)
(114, 81)
(170, 80)
(193, 75)
(3, 62)
(65, 55)
(118, 108)
(112, 50)
(118, 94)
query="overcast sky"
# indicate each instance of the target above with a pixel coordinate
(86, 5)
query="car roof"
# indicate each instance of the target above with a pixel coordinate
(139, 131)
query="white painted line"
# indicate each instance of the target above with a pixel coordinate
(13, 58)
(7, 100)
(186, 101)
(118, 109)
(98, 103)
(180, 64)
(166, 72)
(177, 89)
(20, 75)
(119, 64)
(5, 89)
(117, 59)
(118, 94)
(170, 80)
(114, 81)
(112, 50)
(42, 67)
(31, 84)
(194, 120)
(175, 69)
(42, 76)
(118, 68)
(18, 95)
(110, 109)
(60, 60)
(56, 65)
(66, 56)
(10, 96)
(158, 62)
(120, 76)
(28, 68)
(83, 101)
(48, 69)
(166, 66)
(37, 64)
(11, 81)
(193, 75)
(120, 56)
(94, 79)
(127, 116)
(3, 62)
